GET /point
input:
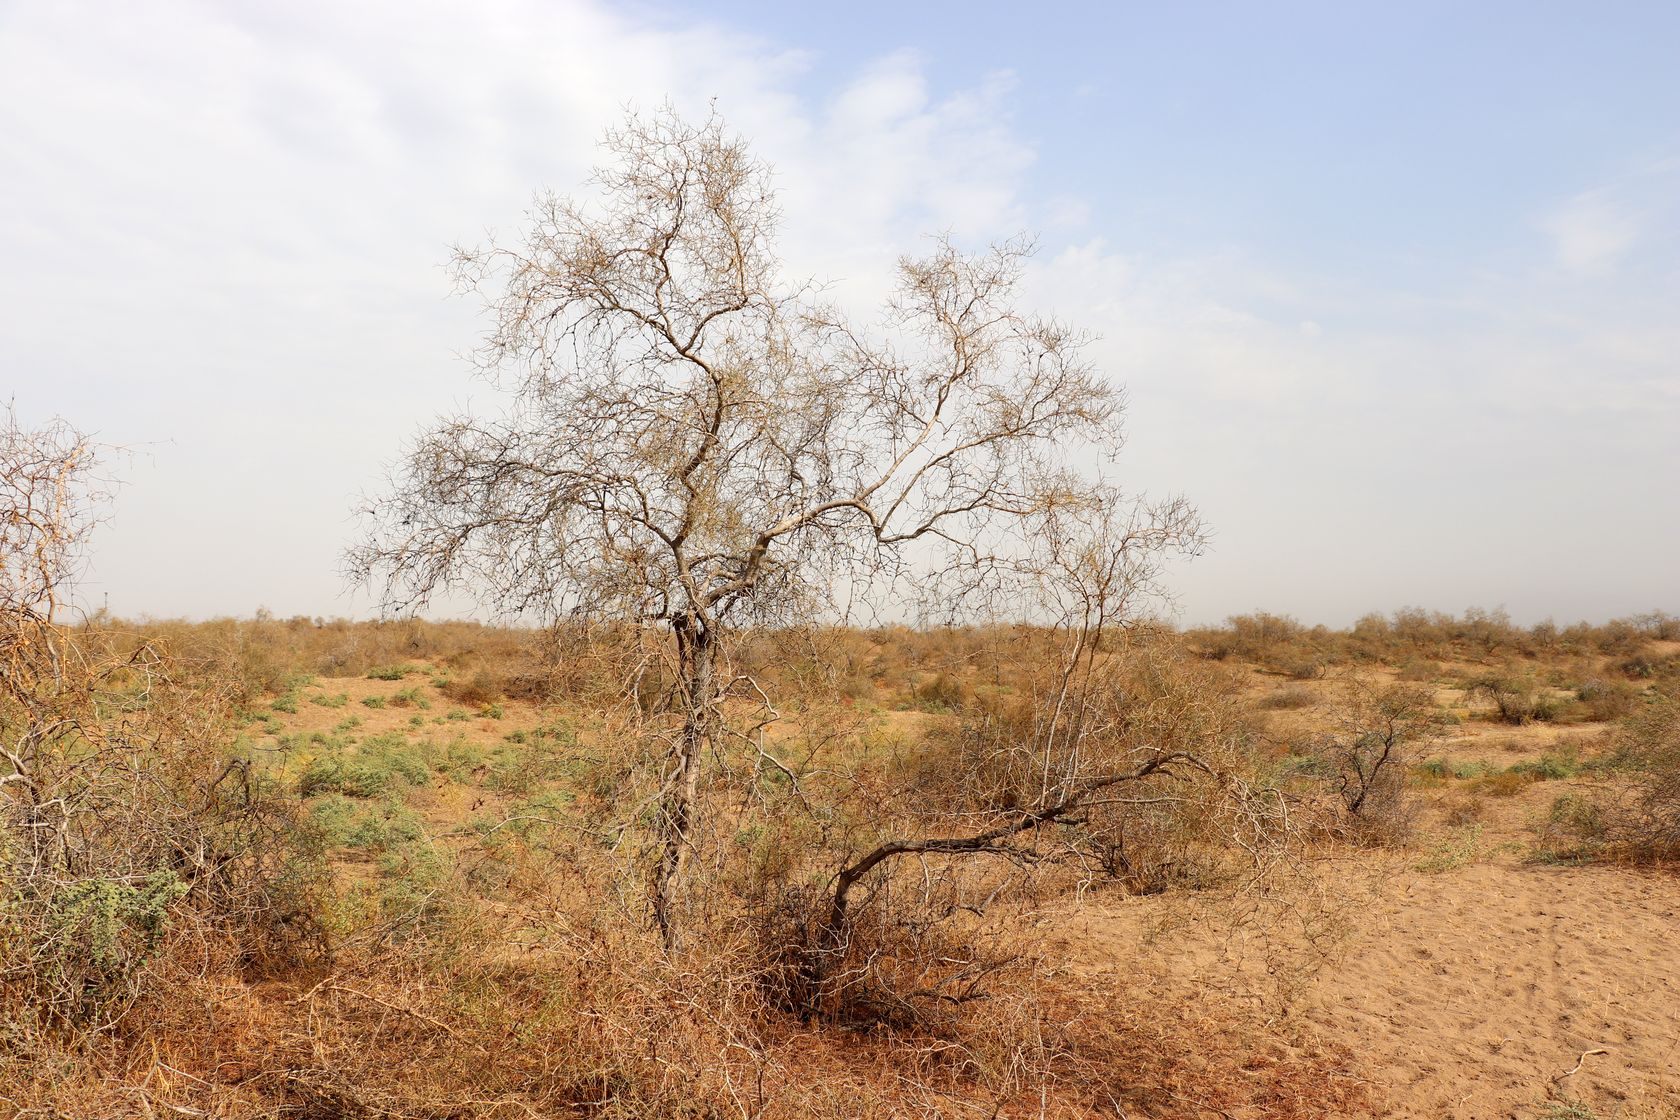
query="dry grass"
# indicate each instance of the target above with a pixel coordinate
(489, 957)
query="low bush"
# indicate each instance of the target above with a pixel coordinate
(1552, 766)
(1381, 726)
(1287, 699)
(390, 672)
(1516, 699)
(1577, 827)
(1601, 701)
(1650, 744)
(484, 687)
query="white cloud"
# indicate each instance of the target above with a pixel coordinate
(1595, 231)
(1591, 232)
(222, 227)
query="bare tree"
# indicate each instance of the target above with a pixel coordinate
(1381, 728)
(692, 442)
(1116, 753)
(46, 512)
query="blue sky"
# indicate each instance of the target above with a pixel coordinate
(1392, 288)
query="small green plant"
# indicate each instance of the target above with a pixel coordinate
(389, 672)
(1553, 766)
(1576, 830)
(287, 703)
(410, 697)
(1452, 851)
(359, 826)
(375, 702)
(105, 929)
(352, 777)
(336, 700)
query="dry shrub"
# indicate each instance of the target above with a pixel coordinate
(125, 816)
(558, 1001)
(1505, 783)
(481, 688)
(1577, 827)
(1287, 699)
(1419, 670)
(1381, 729)
(1516, 698)
(1650, 743)
(1600, 701)
(1462, 808)
(1413, 638)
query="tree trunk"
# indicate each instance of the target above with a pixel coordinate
(696, 655)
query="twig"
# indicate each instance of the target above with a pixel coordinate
(332, 987)
(1576, 1068)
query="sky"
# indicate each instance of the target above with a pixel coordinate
(1394, 290)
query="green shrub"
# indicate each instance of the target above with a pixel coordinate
(1550, 767)
(413, 895)
(103, 930)
(363, 827)
(373, 702)
(1453, 851)
(383, 827)
(352, 777)
(336, 700)
(1601, 701)
(1576, 829)
(389, 672)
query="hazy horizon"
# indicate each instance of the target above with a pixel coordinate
(1392, 292)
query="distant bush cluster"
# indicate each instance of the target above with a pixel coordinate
(1304, 652)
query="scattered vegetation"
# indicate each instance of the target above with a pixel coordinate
(689, 849)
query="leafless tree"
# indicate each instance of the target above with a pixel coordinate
(1381, 729)
(692, 442)
(45, 514)
(1116, 754)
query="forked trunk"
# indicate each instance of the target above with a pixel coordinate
(696, 654)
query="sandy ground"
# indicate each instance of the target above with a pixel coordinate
(1468, 993)
(1471, 992)
(1463, 995)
